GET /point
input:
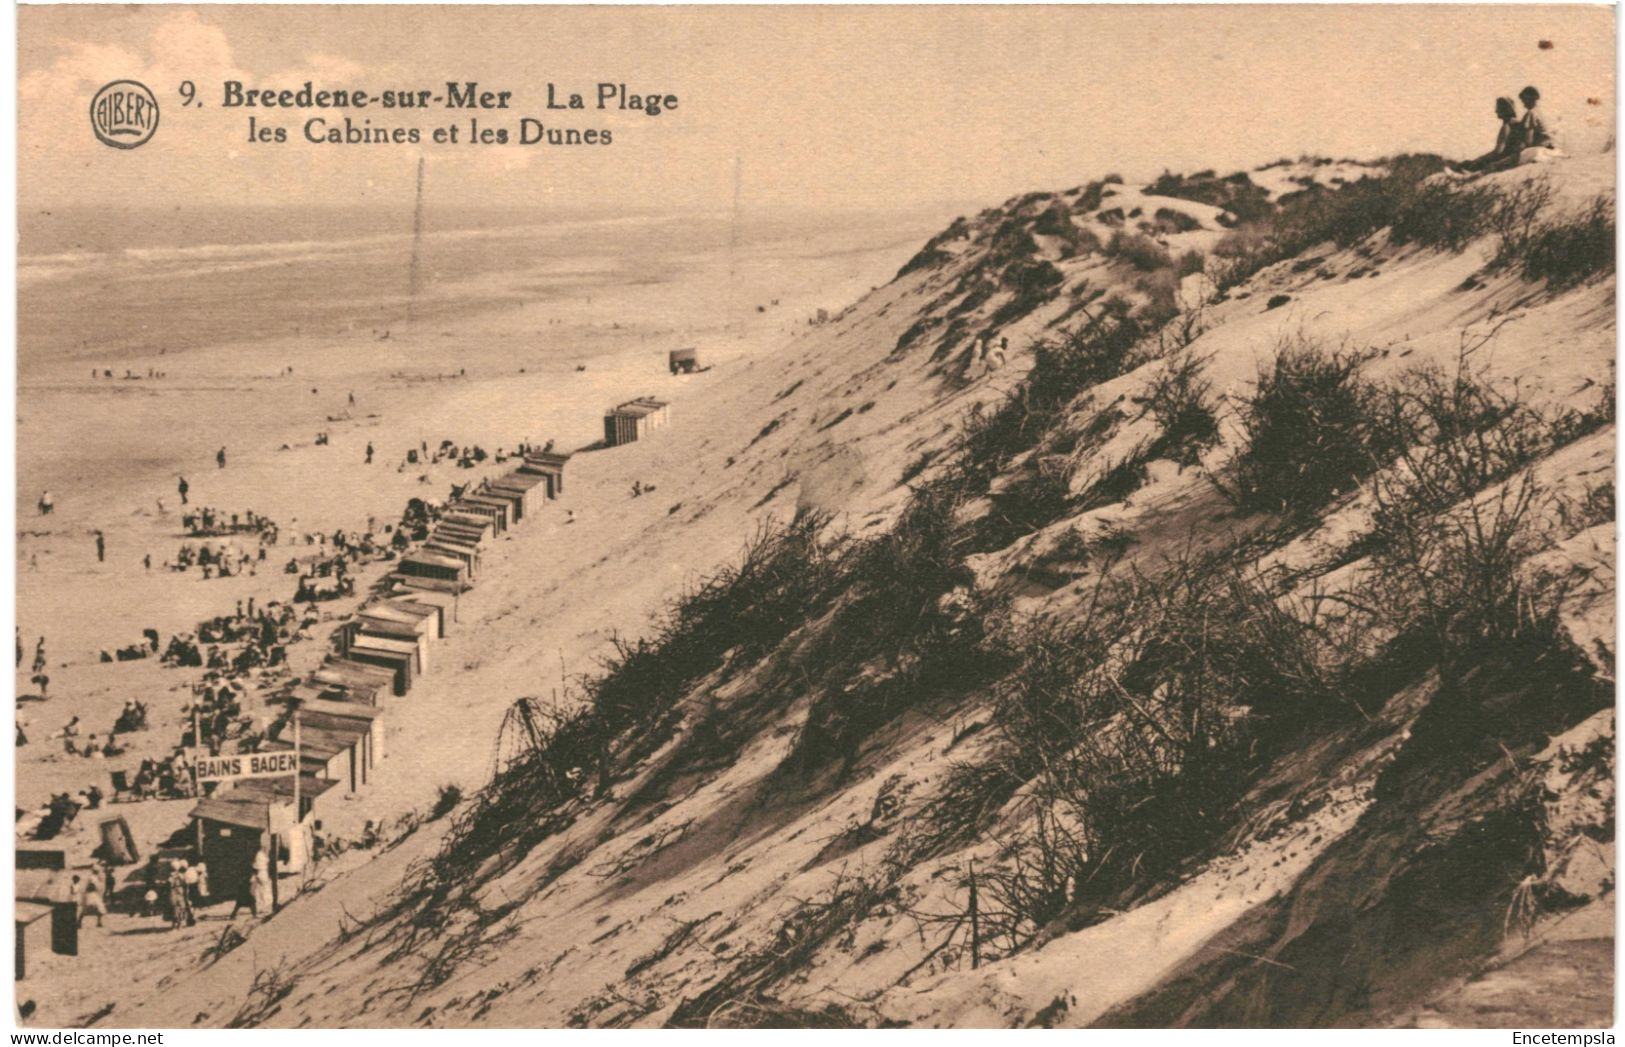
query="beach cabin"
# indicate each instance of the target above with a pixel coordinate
(497, 510)
(318, 758)
(550, 467)
(231, 828)
(419, 583)
(531, 490)
(509, 500)
(457, 537)
(481, 525)
(344, 680)
(314, 798)
(235, 823)
(683, 361)
(434, 565)
(365, 718)
(462, 510)
(400, 655)
(478, 500)
(444, 604)
(509, 511)
(368, 627)
(635, 420)
(33, 932)
(46, 918)
(410, 646)
(426, 618)
(335, 751)
(397, 664)
(469, 535)
(442, 545)
(302, 691)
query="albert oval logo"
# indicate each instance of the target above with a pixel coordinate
(124, 114)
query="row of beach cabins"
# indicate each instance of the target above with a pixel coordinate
(343, 706)
(340, 709)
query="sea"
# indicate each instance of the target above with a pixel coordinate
(127, 286)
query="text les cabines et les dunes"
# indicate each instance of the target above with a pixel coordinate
(461, 96)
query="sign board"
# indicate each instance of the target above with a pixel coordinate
(247, 765)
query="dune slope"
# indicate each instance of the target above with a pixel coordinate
(1180, 603)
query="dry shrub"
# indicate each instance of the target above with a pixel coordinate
(1142, 252)
(1311, 428)
(1181, 400)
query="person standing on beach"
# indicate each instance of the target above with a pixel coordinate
(183, 487)
(220, 458)
(91, 901)
(46, 503)
(369, 452)
(101, 547)
(179, 912)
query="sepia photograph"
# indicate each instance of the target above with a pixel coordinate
(814, 517)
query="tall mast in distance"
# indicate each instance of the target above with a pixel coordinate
(417, 244)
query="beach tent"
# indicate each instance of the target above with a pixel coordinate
(683, 361)
(118, 842)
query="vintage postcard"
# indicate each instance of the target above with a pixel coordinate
(891, 516)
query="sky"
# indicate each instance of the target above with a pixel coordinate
(825, 108)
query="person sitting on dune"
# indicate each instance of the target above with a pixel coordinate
(1538, 145)
(1535, 133)
(1508, 141)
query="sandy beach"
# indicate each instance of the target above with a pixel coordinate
(111, 450)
